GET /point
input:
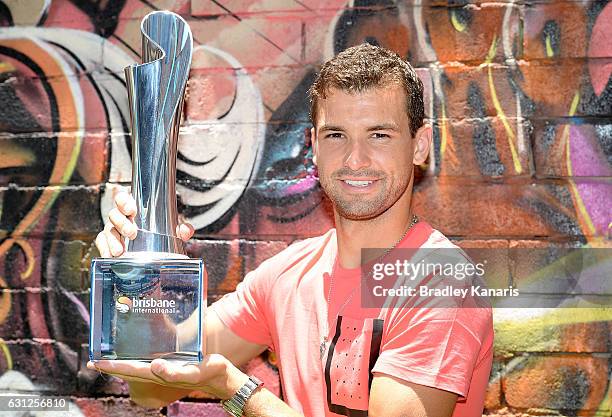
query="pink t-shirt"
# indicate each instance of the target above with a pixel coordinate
(282, 304)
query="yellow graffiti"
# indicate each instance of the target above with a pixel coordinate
(500, 112)
(5, 301)
(68, 145)
(15, 156)
(549, 50)
(6, 67)
(541, 332)
(28, 251)
(7, 354)
(444, 131)
(459, 26)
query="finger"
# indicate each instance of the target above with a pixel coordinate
(114, 239)
(123, 225)
(125, 203)
(129, 370)
(133, 371)
(102, 245)
(175, 374)
(185, 231)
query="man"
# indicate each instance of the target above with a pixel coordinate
(336, 357)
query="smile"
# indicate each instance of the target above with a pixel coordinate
(355, 183)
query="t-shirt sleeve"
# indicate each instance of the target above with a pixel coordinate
(245, 311)
(436, 347)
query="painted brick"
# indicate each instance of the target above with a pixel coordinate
(62, 268)
(119, 407)
(279, 40)
(554, 30)
(48, 365)
(493, 395)
(53, 314)
(77, 212)
(510, 210)
(547, 268)
(66, 269)
(468, 91)
(552, 382)
(28, 109)
(195, 409)
(504, 412)
(203, 8)
(587, 142)
(488, 147)
(31, 158)
(467, 33)
(560, 330)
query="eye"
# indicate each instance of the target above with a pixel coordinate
(334, 135)
(378, 135)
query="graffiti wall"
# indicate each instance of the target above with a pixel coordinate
(519, 94)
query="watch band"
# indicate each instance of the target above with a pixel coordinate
(235, 405)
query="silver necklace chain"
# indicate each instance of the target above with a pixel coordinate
(324, 339)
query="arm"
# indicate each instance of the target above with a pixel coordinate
(219, 338)
(215, 375)
(393, 397)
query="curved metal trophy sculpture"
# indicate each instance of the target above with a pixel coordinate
(150, 302)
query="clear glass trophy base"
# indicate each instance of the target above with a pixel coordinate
(144, 308)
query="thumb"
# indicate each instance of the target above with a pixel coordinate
(161, 368)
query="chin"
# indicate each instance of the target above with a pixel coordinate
(358, 213)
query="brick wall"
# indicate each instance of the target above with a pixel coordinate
(519, 94)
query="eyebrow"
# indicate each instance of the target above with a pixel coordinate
(383, 126)
(326, 128)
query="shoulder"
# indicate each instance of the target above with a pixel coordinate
(437, 240)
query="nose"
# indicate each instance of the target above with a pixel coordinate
(357, 155)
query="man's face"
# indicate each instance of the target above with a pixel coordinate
(363, 150)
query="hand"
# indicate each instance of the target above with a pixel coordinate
(215, 375)
(152, 395)
(110, 241)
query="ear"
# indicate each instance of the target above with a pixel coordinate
(423, 139)
(315, 145)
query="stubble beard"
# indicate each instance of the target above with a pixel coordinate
(357, 207)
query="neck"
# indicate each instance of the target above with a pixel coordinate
(383, 231)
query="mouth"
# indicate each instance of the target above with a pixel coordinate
(359, 185)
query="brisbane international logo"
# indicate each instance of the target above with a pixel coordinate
(145, 305)
(123, 304)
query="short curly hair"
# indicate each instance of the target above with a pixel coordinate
(367, 66)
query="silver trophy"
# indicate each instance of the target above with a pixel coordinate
(150, 302)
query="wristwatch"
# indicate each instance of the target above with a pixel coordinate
(236, 404)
